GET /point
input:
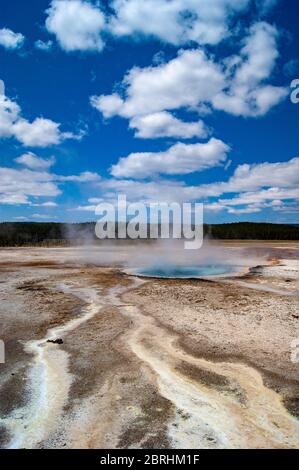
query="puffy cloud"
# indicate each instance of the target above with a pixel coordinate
(164, 124)
(13, 199)
(256, 187)
(177, 160)
(194, 81)
(9, 113)
(247, 94)
(177, 21)
(259, 53)
(11, 40)
(260, 186)
(39, 133)
(250, 177)
(19, 186)
(35, 163)
(185, 81)
(250, 103)
(261, 196)
(77, 25)
(278, 180)
(252, 202)
(109, 106)
(146, 191)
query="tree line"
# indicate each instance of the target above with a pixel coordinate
(35, 233)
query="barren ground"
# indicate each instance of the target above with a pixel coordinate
(148, 363)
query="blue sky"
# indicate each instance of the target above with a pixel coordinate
(165, 100)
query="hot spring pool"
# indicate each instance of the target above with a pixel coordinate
(184, 272)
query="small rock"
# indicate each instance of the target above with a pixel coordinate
(55, 341)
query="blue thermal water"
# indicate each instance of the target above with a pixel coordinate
(184, 272)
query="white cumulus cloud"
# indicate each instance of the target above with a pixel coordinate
(34, 162)
(11, 40)
(19, 186)
(178, 159)
(176, 21)
(193, 80)
(184, 81)
(164, 124)
(248, 94)
(255, 187)
(77, 25)
(39, 133)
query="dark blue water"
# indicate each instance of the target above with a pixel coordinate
(184, 272)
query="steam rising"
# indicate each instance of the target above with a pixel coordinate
(149, 254)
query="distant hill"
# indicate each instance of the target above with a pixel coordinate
(33, 233)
